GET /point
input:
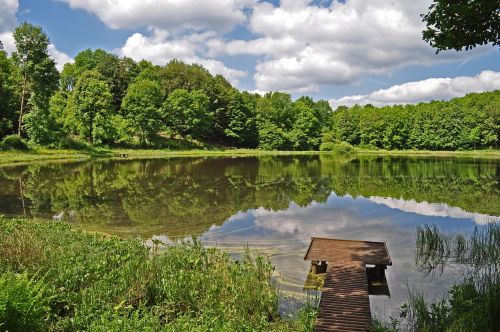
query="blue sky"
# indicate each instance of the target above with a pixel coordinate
(345, 51)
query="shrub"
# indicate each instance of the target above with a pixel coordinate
(14, 142)
(23, 304)
(72, 144)
(337, 147)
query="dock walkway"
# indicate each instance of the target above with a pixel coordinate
(344, 303)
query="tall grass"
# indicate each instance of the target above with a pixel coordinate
(473, 304)
(91, 282)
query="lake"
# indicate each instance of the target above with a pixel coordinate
(273, 204)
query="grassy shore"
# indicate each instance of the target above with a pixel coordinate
(55, 278)
(7, 157)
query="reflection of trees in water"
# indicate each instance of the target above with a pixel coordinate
(188, 195)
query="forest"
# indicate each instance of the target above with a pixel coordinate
(105, 100)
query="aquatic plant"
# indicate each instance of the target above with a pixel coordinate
(473, 304)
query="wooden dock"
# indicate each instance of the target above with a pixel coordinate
(344, 303)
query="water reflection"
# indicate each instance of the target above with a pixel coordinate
(275, 204)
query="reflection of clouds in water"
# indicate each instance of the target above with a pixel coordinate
(294, 220)
(433, 209)
(285, 235)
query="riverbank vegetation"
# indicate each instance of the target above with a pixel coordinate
(55, 278)
(471, 304)
(102, 100)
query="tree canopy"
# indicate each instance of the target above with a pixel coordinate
(458, 25)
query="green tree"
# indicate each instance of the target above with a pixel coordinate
(9, 97)
(141, 108)
(186, 113)
(306, 132)
(456, 25)
(240, 128)
(90, 106)
(272, 137)
(39, 79)
(118, 72)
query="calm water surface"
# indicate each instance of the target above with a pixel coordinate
(272, 204)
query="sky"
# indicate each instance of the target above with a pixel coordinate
(344, 51)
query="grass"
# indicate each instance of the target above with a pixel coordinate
(61, 279)
(10, 157)
(490, 154)
(40, 154)
(473, 304)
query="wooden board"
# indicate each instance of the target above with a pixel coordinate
(339, 251)
(345, 302)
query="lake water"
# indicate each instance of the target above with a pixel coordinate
(272, 204)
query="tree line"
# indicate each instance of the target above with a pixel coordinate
(104, 100)
(470, 122)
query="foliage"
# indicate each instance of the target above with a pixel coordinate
(186, 113)
(470, 122)
(39, 78)
(104, 283)
(337, 147)
(141, 109)
(23, 303)
(9, 95)
(306, 132)
(89, 107)
(462, 24)
(13, 142)
(271, 137)
(472, 304)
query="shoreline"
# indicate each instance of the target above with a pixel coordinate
(18, 157)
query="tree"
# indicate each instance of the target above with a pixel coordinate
(140, 108)
(240, 129)
(9, 98)
(90, 105)
(306, 132)
(186, 113)
(459, 24)
(39, 76)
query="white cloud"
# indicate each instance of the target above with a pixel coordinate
(160, 48)
(425, 90)
(306, 46)
(219, 15)
(59, 57)
(8, 42)
(434, 209)
(8, 10)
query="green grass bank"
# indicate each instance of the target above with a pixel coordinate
(9, 157)
(56, 278)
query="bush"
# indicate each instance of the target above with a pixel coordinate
(71, 144)
(14, 142)
(337, 147)
(23, 304)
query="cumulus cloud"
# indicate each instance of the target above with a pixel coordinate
(160, 47)
(425, 90)
(8, 41)
(434, 209)
(306, 46)
(8, 10)
(59, 57)
(219, 15)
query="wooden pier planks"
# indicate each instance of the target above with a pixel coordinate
(345, 303)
